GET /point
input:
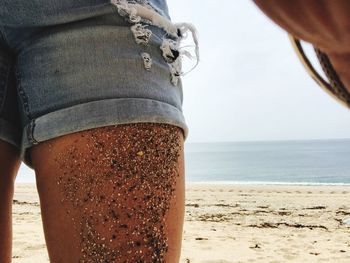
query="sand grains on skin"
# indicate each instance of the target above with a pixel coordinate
(118, 190)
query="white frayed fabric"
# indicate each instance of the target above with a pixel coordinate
(141, 33)
(147, 60)
(137, 12)
(175, 70)
(127, 10)
(184, 28)
(167, 47)
(172, 29)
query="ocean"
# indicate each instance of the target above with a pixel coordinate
(308, 162)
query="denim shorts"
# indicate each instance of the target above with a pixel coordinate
(73, 65)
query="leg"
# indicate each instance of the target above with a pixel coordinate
(113, 194)
(9, 165)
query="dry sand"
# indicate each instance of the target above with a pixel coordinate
(231, 223)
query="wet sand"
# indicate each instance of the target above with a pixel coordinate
(231, 223)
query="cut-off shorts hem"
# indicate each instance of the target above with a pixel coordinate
(100, 113)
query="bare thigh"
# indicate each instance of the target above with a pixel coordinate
(113, 194)
(9, 165)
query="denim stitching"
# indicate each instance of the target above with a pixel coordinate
(24, 98)
(22, 94)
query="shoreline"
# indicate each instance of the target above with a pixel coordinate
(233, 183)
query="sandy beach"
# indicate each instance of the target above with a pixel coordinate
(231, 223)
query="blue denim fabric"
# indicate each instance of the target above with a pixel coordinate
(68, 66)
(20, 13)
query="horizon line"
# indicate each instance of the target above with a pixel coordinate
(271, 140)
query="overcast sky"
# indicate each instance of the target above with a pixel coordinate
(249, 84)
